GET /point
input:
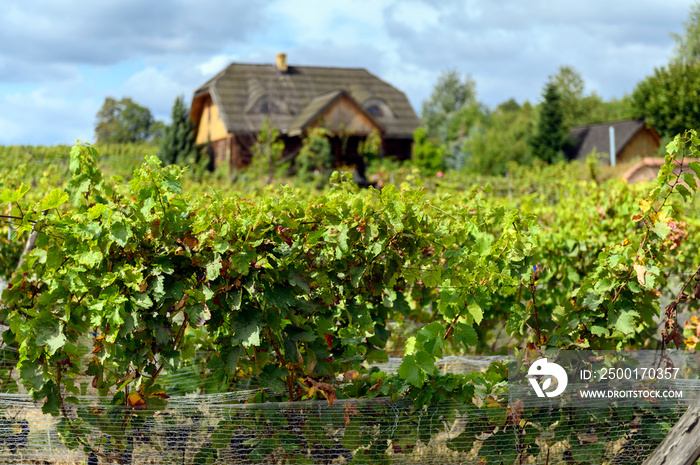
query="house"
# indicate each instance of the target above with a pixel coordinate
(230, 108)
(633, 140)
(647, 169)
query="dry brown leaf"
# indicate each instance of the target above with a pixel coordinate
(159, 394)
(181, 303)
(350, 410)
(587, 438)
(376, 386)
(128, 377)
(515, 412)
(326, 389)
(190, 242)
(641, 273)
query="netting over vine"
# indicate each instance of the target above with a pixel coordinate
(223, 429)
(217, 429)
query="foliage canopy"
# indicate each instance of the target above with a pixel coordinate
(669, 100)
(123, 122)
(450, 95)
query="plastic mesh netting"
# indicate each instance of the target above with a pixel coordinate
(195, 429)
(223, 429)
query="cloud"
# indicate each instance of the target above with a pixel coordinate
(153, 89)
(46, 116)
(104, 33)
(215, 64)
(311, 21)
(511, 47)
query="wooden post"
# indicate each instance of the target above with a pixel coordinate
(681, 446)
(28, 247)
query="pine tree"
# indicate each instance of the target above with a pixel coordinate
(550, 140)
(177, 144)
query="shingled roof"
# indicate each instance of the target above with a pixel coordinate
(290, 96)
(597, 136)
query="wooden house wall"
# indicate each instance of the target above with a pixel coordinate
(211, 128)
(643, 144)
(344, 115)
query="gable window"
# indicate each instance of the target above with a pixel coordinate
(269, 106)
(375, 110)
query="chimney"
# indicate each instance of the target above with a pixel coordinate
(281, 60)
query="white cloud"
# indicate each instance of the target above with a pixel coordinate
(308, 21)
(108, 32)
(44, 116)
(511, 47)
(215, 64)
(155, 90)
(416, 15)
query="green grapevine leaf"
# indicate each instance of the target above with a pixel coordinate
(53, 199)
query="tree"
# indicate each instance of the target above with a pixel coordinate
(570, 86)
(426, 155)
(461, 127)
(502, 139)
(687, 48)
(123, 122)
(370, 149)
(669, 100)
(580, 109)
(551, 139)
(315, 158)
(267, 152)
(449, 96)
(177, 144)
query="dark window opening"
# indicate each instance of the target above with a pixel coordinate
(269, 107)
(374, 110)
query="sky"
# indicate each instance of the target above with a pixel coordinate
(60, 60)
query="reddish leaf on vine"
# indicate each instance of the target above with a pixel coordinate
(135, 401)
(349, 412)
(189, 241)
